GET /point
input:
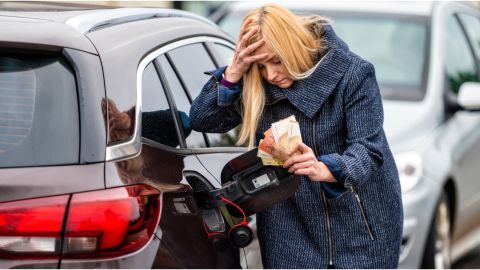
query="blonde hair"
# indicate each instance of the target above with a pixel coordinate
(294, 39)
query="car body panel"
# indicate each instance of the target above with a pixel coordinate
(184, 243)
(211, 161)
(138, 259)
(91, 90)
(43, 264)
(414, 225)
(24, 183)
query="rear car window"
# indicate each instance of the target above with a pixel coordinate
(39, 120)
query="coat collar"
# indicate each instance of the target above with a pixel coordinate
(309, 94)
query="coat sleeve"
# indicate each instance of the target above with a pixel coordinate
(366, 141)
(216, 108)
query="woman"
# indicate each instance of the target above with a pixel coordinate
(347, 212)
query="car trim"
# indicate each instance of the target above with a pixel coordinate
(133, 145)
(90, 22)
(219, 149)
(180, 151)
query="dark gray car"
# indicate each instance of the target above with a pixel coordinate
(98, 165)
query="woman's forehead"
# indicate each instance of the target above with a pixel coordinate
(264, 49)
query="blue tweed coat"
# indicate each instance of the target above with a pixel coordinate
(356, 223)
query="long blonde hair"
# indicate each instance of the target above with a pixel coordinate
(294, 39)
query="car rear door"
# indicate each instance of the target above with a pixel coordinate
(167, 163)
(186, 77)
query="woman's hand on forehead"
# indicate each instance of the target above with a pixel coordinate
(244, 57)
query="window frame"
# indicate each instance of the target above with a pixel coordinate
(133, 145)
(474, 52)
(173, 103)
(456, 18)
(206, 43)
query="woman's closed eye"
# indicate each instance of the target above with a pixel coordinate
(276, 61)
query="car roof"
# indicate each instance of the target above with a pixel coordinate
(423, 8)
(30, 33)
(58, 26)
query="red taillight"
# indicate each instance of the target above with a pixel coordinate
(32, 229)
(100, 224)
(110, 223)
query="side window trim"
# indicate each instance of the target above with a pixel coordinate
(184, 86)
(189, 97)
(171, 102)
(210, 51)
(154, 144)
(132, 146)
(179, 77)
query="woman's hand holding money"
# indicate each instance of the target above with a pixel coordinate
(302, 161)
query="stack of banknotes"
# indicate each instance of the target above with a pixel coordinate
(282, 136)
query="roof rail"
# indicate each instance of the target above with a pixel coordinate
(97, 19)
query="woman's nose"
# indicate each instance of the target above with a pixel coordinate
(271, 74)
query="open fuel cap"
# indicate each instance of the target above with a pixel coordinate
(253, 186)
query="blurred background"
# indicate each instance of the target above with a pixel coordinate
(204, 8)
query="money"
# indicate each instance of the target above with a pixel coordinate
(280, 132)
(294, 135)
(282, 136)
(268, 143)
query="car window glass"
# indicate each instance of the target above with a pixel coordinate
(472, 26)
(191, 61)
(153, 95)
(225, 55)
(396, 46)
(460, 63)
(39, 122)
(194, 139)
(157, 119)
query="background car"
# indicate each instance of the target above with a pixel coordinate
(426, 56)
(98, 165)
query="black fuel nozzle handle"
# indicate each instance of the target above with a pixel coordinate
(213, 198)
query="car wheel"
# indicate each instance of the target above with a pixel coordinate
(437, 254)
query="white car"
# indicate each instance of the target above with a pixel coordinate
(426, 57)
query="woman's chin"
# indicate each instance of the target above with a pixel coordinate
(284, 83)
